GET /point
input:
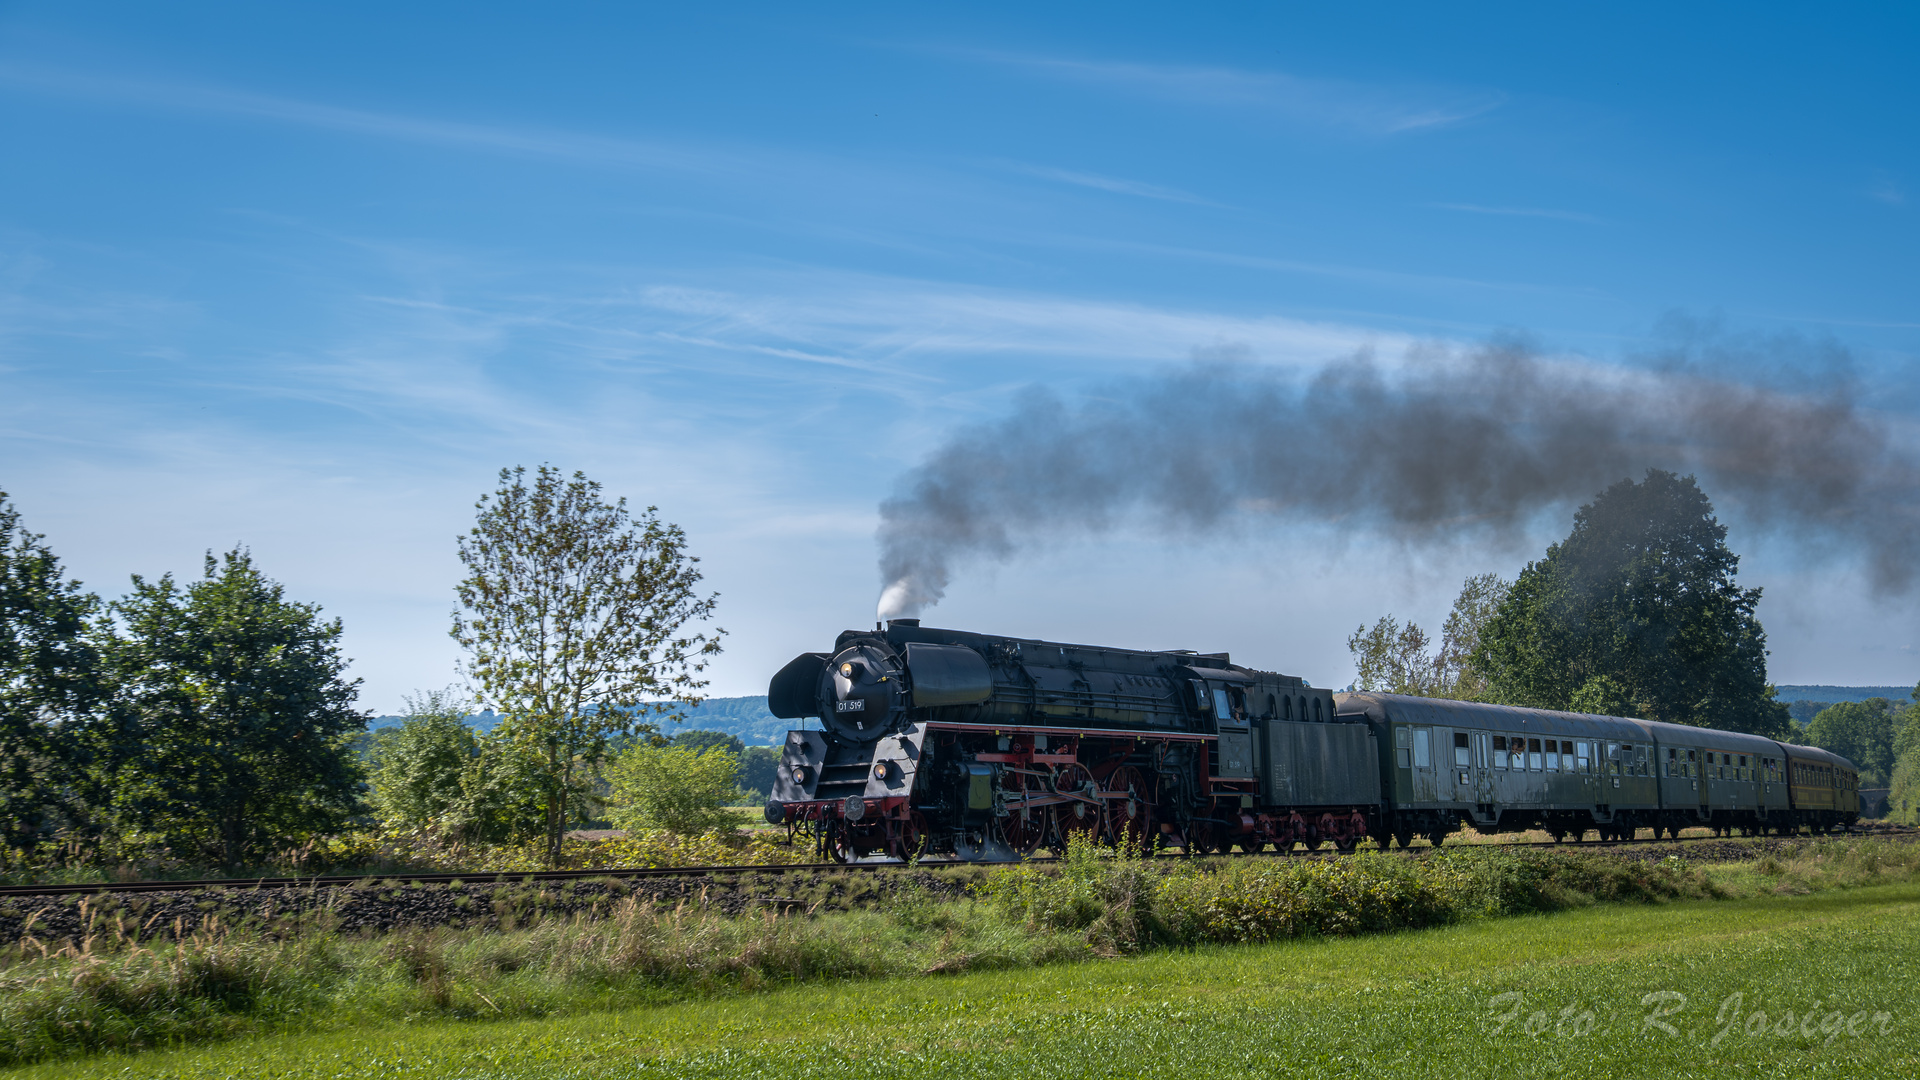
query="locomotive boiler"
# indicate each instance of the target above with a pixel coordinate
(972, 746)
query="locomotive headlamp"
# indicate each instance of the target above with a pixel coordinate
(851, 670)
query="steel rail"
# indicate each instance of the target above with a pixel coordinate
(499, 877)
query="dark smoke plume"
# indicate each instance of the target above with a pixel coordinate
(1440, 449)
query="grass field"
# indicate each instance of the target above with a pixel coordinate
(1819, 984)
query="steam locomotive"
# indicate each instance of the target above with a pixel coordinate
(943, 743)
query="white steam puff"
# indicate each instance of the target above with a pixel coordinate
(901, 599)
(1443, 449)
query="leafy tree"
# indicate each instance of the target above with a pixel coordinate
(1636, 612)
(416, 767)
(49, 683)
(1860, 731)
(676, 788)
(1393, 658)
(574, 618)
(234, 725)
(701, 740)
(757, 765)
(1903, 798)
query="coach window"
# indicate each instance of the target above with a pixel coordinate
(1499, 751)
(1533, 755)
(1553, 755)
(1422, 748)
(1584, 756)
(1402, 751)
(1462, 754)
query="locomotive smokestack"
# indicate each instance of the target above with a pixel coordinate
(1444, 448)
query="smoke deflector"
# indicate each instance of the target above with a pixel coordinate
(795, 690)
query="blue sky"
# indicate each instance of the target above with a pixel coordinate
(306, 276)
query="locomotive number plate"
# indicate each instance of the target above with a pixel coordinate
(853, 705)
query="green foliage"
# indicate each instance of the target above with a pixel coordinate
(675, 788)
(1392, 657)
(50, 683)
(417, 766)
(1636, 610)
(757, 769)
(1903, 798)
(573, 615)
(233, 724)
(1860, 731)
(434, 773)
(703, 740)
(1103, 892)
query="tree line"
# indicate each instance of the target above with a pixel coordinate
(213, 722)
(1636, 613)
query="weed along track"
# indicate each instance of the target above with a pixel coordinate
(377, 905)
(70, 915)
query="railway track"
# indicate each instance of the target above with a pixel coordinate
(537, 876)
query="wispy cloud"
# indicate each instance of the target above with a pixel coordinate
(1107, 183)
(1520, 211)
(1887, 190)
(1373, 109)
(224, 101)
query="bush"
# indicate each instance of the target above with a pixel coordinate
(676, 788)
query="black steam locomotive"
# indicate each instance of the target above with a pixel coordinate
(946, 743)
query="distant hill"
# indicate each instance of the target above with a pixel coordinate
(1805, 702)
(1827, 695)
(745, 718)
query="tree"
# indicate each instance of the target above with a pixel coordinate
(1637, 611)
(701, 740)
(1860, 731)
(49, 684)
(757, 767)
(1393, 658)
(676, 788)
(417, 768)
(233, 727)
(1903, 796)
(574, 618)
(1480, 596)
